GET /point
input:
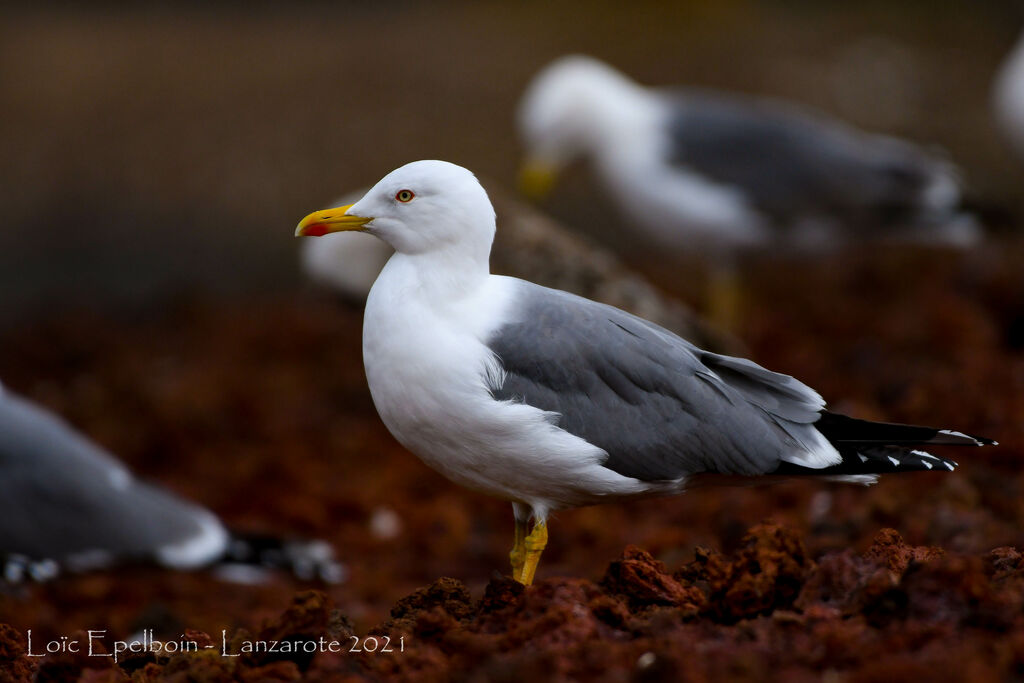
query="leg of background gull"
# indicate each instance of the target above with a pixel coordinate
(518, 554)
(725, 292)
(534, 545)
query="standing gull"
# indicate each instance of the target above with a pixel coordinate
(553, 401)
(727, 171)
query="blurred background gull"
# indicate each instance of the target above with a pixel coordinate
(715, 174)
(159, 149)
(66, 504)
(705, 170)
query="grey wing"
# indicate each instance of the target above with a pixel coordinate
(660, 407)
(62, 497)
(791, 163)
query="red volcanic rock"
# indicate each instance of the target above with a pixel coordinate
(889, 549)
(767, 573)
(843, 582)
(14, 665)
(501, 592)
(280, 671)
(867, 584)
(434, 608)
(643, 581)
(308, 618)
(67, 665)
(765, 612)
(204, 665)
(103, 676)
(1006, 563)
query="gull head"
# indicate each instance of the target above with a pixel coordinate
(422, 207)
(566, 112)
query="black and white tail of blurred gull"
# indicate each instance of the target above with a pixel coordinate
(1008, 97)
(67, 504)
(553, 401)
(731, 171)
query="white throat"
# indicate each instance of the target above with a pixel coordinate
(436, 279)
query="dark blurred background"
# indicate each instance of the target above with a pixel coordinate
(150, 149)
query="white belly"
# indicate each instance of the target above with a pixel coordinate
(427, 369)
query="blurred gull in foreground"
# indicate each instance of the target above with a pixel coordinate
(1008, 96)
(66, 503)
(553, 401)
(724, 171)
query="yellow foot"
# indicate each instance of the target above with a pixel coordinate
(518, 553)
(533, 546)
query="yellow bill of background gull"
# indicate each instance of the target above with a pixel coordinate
(703, 169)
(553, 401)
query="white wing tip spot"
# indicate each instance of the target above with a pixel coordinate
(894, 461)
(951, 432)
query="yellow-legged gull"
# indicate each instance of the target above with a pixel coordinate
(554, 401)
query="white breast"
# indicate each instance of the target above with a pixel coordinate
(428, 370)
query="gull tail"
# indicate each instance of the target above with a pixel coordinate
(872, 448)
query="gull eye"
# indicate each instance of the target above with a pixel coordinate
(404, 195)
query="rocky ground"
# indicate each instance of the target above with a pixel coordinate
(767, 611)
(258, 408)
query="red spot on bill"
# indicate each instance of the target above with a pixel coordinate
(315, 230)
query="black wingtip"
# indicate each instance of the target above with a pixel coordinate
(954, 438)
(844, 430)
(874, 460)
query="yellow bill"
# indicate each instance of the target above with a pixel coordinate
(536, 179)
(320, 223)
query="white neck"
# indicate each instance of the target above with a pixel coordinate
(616, 107)
(620, 124)
(440, 276)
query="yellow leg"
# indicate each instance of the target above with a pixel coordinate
(725, 296)
(518, 554)
(533, 545)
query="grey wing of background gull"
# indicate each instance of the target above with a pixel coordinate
(792, 163)
(63, 498)
(660, 407)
